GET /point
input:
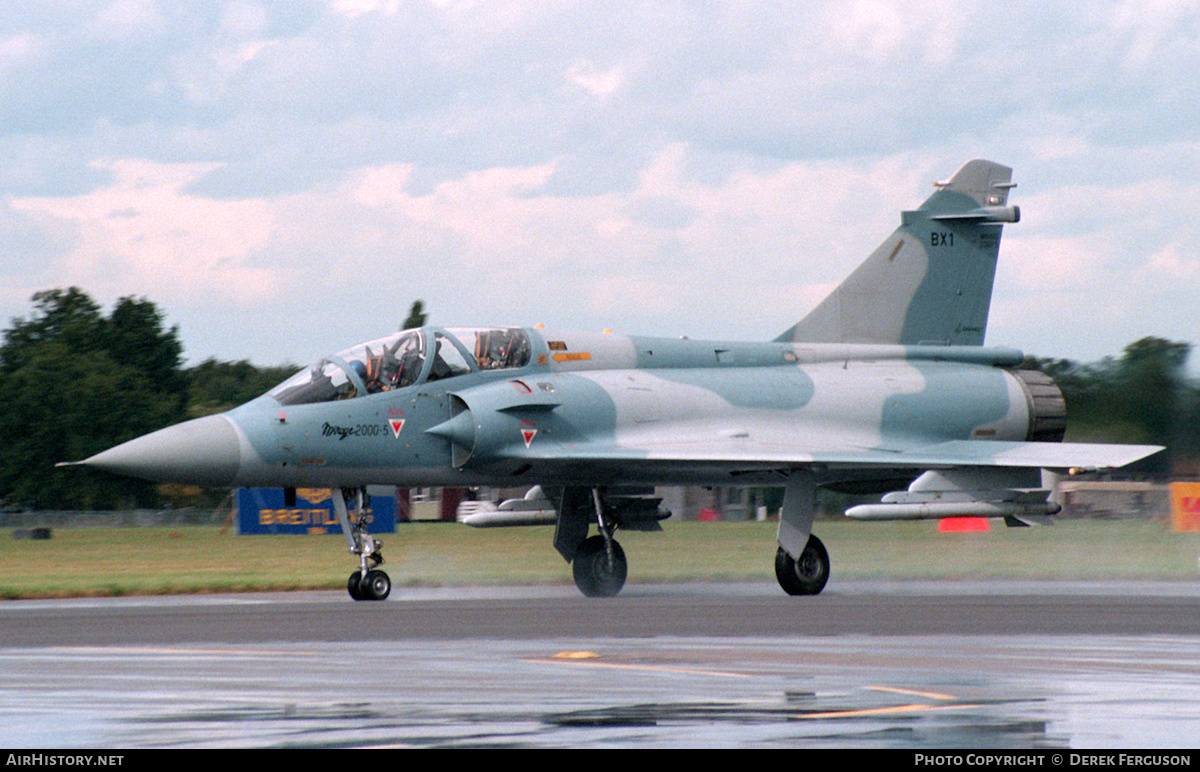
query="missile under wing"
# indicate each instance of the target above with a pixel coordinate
(884, 387)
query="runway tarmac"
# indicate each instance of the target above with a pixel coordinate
(889, 665)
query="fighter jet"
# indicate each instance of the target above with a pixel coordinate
(884, 388)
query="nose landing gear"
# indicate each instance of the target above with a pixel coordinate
(368, 582)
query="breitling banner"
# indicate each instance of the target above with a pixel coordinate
(264, 510)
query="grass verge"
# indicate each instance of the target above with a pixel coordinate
(146, 561)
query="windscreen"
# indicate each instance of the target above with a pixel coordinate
(368, 368)
(495, 348)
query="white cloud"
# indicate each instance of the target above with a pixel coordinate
(356, 8)
(18, 50)
(709, 169)
(126, 19)
(1170, 264)
(1152, 30)
(595, 82)
(143, 233)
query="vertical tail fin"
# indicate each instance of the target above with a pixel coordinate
(931, 281)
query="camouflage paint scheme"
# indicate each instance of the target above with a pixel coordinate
(885, 386)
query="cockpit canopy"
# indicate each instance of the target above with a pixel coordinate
(402, 360)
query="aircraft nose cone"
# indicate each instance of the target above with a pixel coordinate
(203, 451)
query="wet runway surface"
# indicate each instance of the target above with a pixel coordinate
(910, 665)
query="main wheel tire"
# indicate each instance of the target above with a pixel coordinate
(354, 585)
(806, 576)
(593, 575)
(376, 586)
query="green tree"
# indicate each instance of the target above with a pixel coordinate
(1142, 397)
(215, 386)
(136, 337)
(416, 316)
(75, 382)
(1090, 393)
(1151, 382)
(68, 316)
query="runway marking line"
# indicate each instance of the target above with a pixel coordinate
(168, 650)
(910, 708)
(587, 662)
(576, 655)
(913, 692)
(913, 708)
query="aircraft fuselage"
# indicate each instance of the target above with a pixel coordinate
(591, 395)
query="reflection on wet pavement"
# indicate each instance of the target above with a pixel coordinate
(836, 691)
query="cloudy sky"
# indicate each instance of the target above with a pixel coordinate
(284, 178)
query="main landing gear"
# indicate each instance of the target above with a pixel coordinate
(805, 575)
(368, 582)
(597, 562)
(599, 565)
(801, 562)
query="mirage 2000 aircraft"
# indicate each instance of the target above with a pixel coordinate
(885, 387)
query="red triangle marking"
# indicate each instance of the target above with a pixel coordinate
(397, 425)
(528, 434)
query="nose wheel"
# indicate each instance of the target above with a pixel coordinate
(376, 585)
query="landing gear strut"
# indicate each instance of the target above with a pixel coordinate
(368, 582)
